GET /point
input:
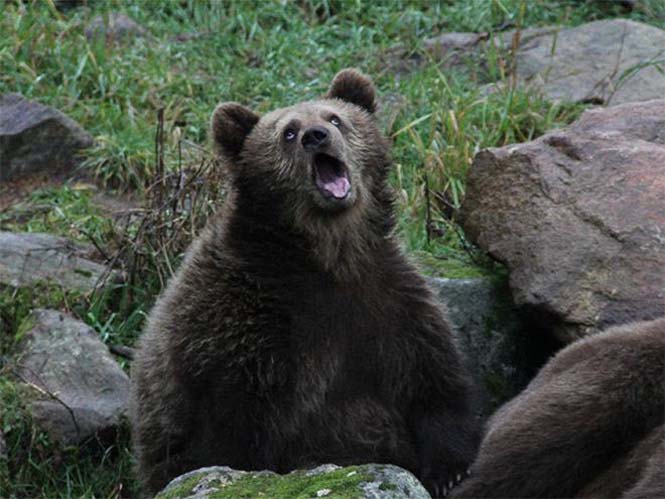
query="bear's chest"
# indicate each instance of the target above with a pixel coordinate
(344, 340)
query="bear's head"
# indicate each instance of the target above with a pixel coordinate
(326, 153)
(319, 166)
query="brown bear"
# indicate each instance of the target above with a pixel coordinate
(296, 332)
(589, 425)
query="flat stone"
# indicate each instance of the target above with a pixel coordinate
(30, 258)
(578, 218)
(82, 390)
(37, 138)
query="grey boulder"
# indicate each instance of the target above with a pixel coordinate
(368, 481)
(30, 258)
(578, 217)
(604, 62)
(80, 389)
(607, 62)
(37, 138)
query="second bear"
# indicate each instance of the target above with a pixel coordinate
(589, 425)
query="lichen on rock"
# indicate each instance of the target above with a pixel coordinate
(365, 481)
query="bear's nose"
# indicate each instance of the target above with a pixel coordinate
(315, 138)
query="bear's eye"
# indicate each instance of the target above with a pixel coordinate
(289, 134)
(334, 120)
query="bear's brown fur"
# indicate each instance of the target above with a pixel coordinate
(295, 332)
(651, 481)
(589, 425)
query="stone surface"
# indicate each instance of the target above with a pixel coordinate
(116, 27)
(30, 258)
(370, 481)
(37, 138)
(83, 391)
(578, 217)
(610, 62)
(500, 344)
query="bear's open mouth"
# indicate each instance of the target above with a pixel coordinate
(331, 176)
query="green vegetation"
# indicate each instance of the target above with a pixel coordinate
(38, 467)
(265, 54)
(66, 211)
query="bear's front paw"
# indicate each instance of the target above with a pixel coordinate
(441, 484)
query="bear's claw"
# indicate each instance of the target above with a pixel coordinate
(441, 488)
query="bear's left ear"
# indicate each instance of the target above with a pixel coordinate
(231, 124)
(352, 86)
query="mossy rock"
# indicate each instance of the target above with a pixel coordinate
(329, 481)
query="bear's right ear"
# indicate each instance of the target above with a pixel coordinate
(231, 124)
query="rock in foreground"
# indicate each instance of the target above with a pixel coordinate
(37, 138)
(578, 217)
(375, 481)
(83, 391)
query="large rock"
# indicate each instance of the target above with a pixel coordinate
(30, 258)
(578, 216)
(83, 391)
(610, 61)
(502, 348)
(36, 138)
(371, 481)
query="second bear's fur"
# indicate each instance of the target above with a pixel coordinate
(296, 333)
(589, 425)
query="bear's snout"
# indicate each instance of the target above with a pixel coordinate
(315, 138)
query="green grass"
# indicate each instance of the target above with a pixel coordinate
(65, 211)
(265, 54)
(38, 467)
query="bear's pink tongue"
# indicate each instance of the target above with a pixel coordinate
(339, 187)
(331, 177)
